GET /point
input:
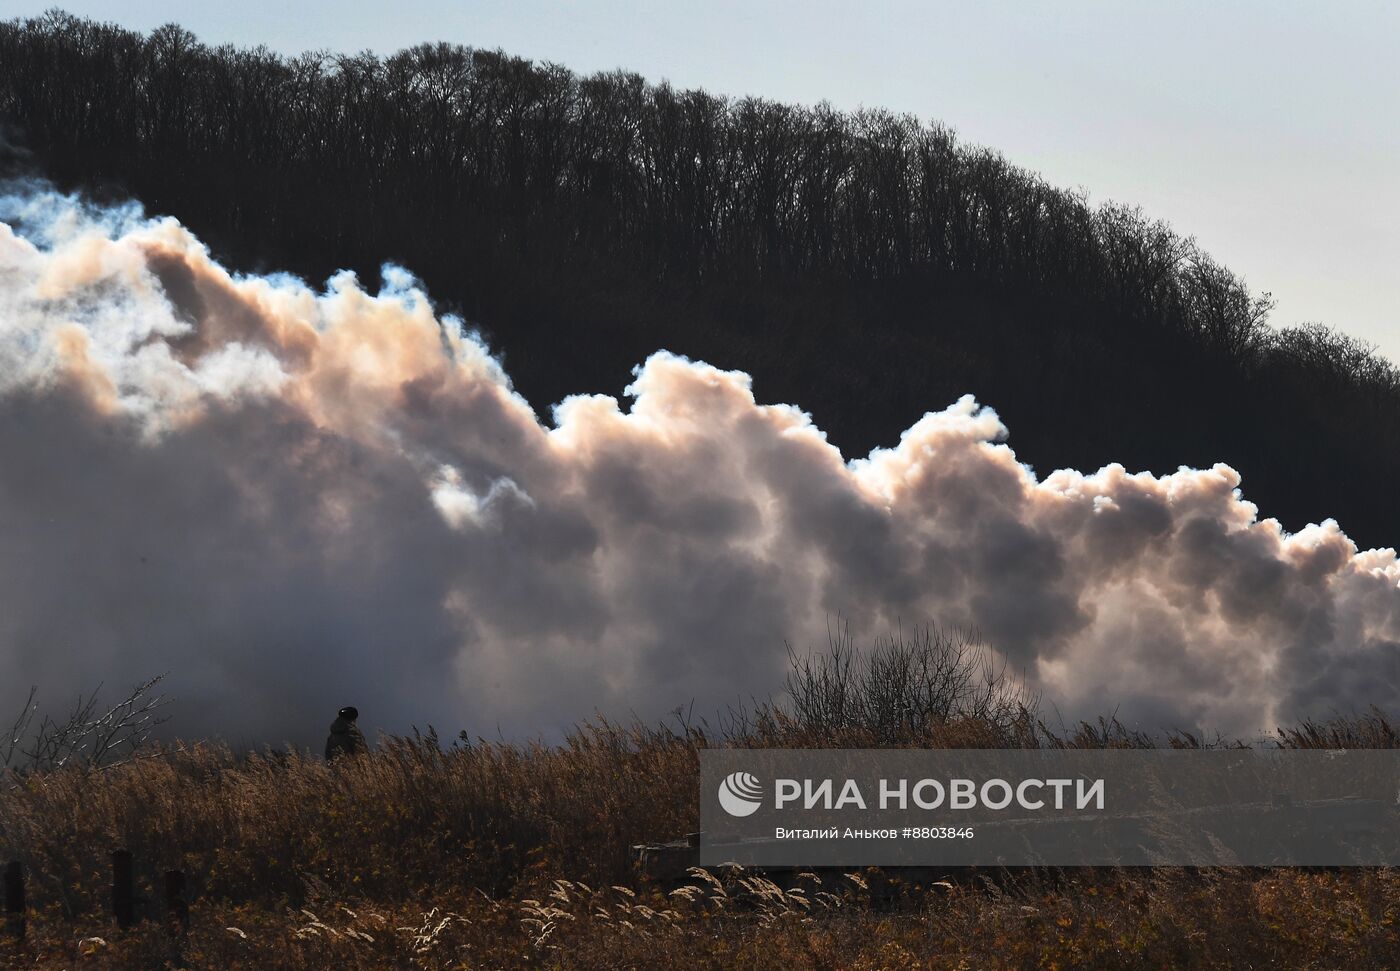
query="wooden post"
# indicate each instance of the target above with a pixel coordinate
(123, 891)
(177, 908)
(14, 900)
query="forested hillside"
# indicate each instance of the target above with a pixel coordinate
(867, 267)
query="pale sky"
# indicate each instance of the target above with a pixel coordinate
(1267, 130)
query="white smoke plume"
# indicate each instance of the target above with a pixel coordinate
(295, 500)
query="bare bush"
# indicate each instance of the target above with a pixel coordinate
(88, 736)
(906, 686)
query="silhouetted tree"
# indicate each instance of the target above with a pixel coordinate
(865, 265)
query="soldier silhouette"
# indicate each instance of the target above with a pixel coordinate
(345, 737)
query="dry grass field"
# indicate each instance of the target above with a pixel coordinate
(486, 855)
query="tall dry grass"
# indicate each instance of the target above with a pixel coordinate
(498, 854)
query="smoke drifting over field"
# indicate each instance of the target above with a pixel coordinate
(295, 500)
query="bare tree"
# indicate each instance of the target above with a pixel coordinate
(89, 736)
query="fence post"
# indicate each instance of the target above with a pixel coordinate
(123, 893)
(177, 908)
(14, 899)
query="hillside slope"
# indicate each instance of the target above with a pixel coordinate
(866, 267)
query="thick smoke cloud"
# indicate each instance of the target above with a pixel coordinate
(294, 500)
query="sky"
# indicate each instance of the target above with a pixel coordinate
(1263, 129)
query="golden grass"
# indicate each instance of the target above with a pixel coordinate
(498, 855)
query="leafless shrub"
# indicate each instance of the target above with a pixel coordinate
(906, 686)
(89, 736)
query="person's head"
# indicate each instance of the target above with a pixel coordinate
(349, 713)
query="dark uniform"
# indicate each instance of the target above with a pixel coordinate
(345, 737)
